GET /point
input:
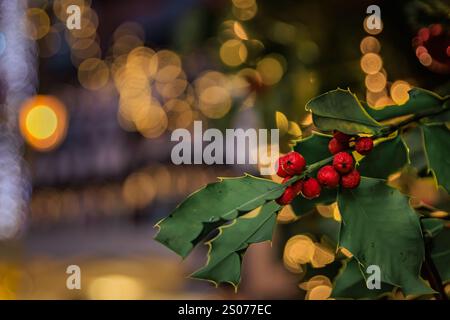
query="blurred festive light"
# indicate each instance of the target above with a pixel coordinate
(383, 102)
(168, 64)
(371, 63)
(372, 97)
(233, 52)
(151, 121)
(399, 92)
(239, 31)
(375, 82)
(370, 44)
(43, 122)
(93, 74)
(50, 44)
(298, 250)
(115, 287)
(307, 51)
(426, 59)
(125, 44)
(321, 292)
(215, 102)
(179, 114)
(129, 28)
(283, 33)
(270, 70)
(37, 23)
(244, 9)
(373, 31)
(139, 190)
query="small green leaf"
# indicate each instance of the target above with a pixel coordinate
(211, 207)
(380, 228)
(314, 148)
(341, 110)
(227, 248)
(436, 139)
(387, 158)
(351, 283)
(420, 100)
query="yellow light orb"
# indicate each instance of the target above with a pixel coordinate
(371, 63)
(43, 122)
(233, 52)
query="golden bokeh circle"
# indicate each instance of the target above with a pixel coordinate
(43, 122)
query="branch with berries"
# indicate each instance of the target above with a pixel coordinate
(350, 167)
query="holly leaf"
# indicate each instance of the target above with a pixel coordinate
(228, 247)
(440, 245)
(380, 228)
(376, 166)
(436, 140)
(351, 283)
(303, 206)
(420, 100)
(314, 148)
(341, 110)
(212, 206)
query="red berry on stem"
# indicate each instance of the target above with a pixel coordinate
(328, 176)
(343, 162)
(351, 180)
(311, 188)
(364, 145)
(291, 164)
(281, 163)
(290, 192)
(335, 146)
(341, 137)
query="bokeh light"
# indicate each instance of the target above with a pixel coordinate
(233, 52)
(43, 122)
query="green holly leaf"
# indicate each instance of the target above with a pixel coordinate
(380, 228)
(212, 206)
(440, 245)
(351, 283)
(302, 206)
(314, 148)
(373, 166)
(436, 140)
(228, 247)
(420, 100)
(341, 110)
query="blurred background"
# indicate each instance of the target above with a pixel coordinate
(86, 117)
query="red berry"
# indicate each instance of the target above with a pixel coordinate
(328, 176)
(364, 145)
(343, 162)
(336, 146)
(351, 180)
(311, 188)
(291, 164)
(341, 137)
(290, 192)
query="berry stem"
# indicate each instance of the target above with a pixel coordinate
(309, 169)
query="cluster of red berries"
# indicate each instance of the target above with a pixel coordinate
(342, 171)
